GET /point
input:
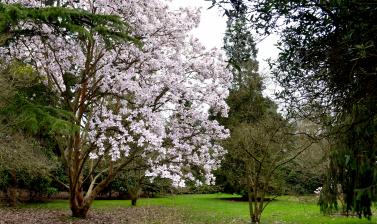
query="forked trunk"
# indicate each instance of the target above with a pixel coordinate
(255, 212)
(80, 201)
(79, 206)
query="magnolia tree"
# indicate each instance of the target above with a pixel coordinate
(131, 102)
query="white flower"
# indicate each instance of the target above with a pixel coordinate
(139, 97)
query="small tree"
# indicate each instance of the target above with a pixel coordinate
(134, 179)
(134, 186)
(264, 147)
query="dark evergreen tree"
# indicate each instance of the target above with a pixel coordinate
(239, 46)
(63, 20)
(245, 101)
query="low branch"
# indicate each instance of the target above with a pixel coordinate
(59, 181)
(292, 158)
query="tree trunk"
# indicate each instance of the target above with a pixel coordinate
(80, 212)
(134, 195)
(255, 219)
(133, 201)
(79, 207)
(80, 201)
(78, 204)
(251, 210)
(254, 211)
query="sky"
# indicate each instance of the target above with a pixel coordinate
(211, 33)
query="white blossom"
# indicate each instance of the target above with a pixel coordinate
(151, 98)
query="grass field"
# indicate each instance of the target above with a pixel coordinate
(219, 208)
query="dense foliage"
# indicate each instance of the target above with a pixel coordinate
(26, 161)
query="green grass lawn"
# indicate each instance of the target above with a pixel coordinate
(212, 208)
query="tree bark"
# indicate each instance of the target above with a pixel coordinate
(80, 212)
(133, 201)
(80, 200)
(254, 210)
(134, 194)
(79, 207)
(254, 206)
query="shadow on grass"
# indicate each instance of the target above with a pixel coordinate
(244, 199)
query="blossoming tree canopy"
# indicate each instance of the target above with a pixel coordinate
(130, 101)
